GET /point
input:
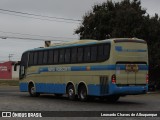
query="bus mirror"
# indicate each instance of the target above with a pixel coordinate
(15, 67)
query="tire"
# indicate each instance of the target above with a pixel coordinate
(82, 93)
(112, 99)
(32, 91)
(71, 92)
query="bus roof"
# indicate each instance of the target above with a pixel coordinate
(87, 42)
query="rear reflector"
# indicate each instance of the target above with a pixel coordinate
(147, 78)
(113, 78)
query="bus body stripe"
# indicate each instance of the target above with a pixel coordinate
(120, 49)
(85, 68)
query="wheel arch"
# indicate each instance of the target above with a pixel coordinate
(70, 83)
(31, 83)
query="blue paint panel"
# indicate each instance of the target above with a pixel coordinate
(50, 88)
(120, 49)
(78, 68)
(94, 90)
(40, 87)
(23, 87)
(59, 88)
(143, 67)
(127, 90)
(121, 67)
(103, 67)
(113, 89)
(43, 69)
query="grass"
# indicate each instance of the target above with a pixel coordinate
(9, 82)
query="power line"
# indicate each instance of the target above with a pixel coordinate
(36, 35)
(38, 18)
(29, 38)
(30, 15)
(38, 15)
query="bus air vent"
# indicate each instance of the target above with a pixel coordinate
(103, 85)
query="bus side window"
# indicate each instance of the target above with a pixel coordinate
(87, 54)
(80, 55)
(106, 51)
(50, 57)
(93, 53)
(45, 57)
(100, 53)
(56, 56)
(103, 52)
(35, 58)
(40, 57)
(61, 56)
(67, 55)
(31, 59)
(74, 55)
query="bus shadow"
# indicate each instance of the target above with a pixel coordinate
(121, 102)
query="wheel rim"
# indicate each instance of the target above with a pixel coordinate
(83, 94)
(32, 90)
(70, 92)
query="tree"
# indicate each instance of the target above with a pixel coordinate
(123, 19)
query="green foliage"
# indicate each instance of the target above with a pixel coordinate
(123, 19)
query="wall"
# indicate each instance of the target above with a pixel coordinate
(15, 74)
(6, 70)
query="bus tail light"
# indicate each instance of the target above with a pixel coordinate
(147, 78)
(113, 78)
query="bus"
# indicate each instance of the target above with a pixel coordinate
(107, 69)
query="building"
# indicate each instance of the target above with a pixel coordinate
(7, 71)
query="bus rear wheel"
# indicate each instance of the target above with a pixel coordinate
(32, 91)
(82, 93)
(71, 92)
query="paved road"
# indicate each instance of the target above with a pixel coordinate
(13, 100)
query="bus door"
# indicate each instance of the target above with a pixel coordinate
(23, 66)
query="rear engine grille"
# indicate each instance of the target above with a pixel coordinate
(103, 85)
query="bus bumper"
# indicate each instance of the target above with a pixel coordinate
(127, 90)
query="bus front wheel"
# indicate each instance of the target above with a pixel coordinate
(32, 91)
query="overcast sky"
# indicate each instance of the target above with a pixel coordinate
(69, 9)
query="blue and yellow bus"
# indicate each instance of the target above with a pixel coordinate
(109, 68)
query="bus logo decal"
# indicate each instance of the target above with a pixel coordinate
(132, 68)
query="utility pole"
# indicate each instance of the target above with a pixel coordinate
(9, 56)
